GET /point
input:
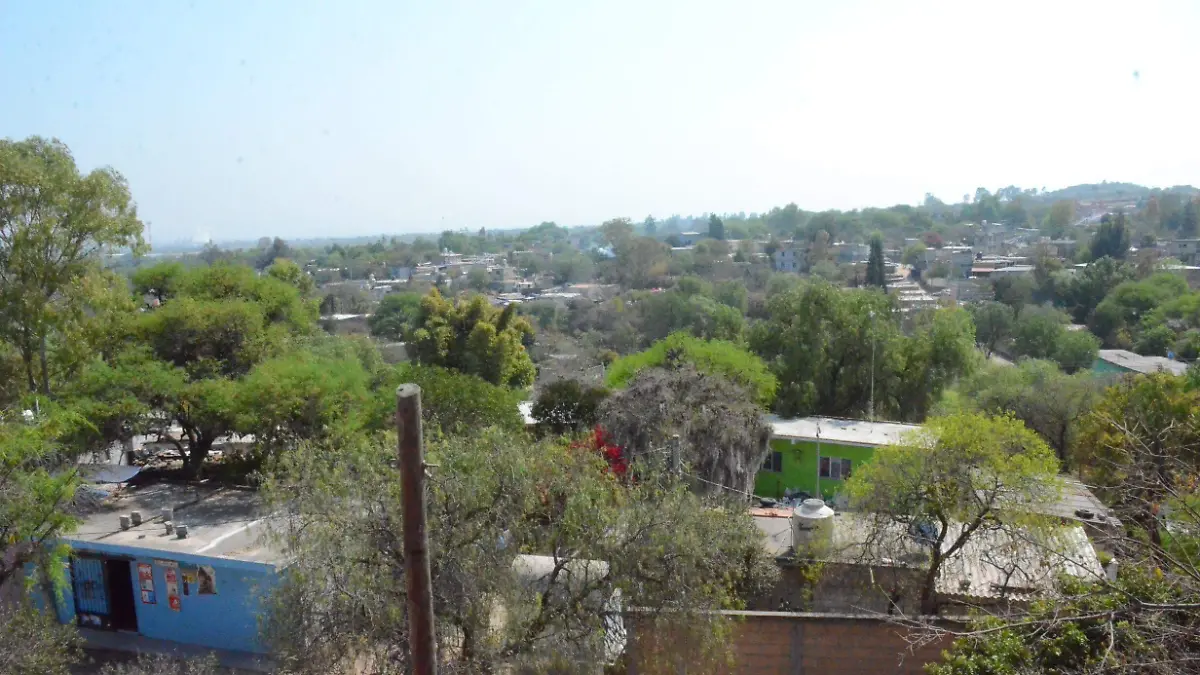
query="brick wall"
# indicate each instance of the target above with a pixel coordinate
(767, 643)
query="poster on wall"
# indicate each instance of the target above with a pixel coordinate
(208, 580)
(172, 576)
(190, 577)
(146, 583)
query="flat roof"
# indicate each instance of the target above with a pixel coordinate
(1142, 364)
(222, 522)
(994, 563)
(834, 430)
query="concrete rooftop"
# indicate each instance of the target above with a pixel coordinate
(222, 522)
(845, 432)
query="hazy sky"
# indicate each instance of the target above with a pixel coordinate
(296, 118)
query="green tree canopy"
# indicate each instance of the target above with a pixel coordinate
(714, 357)
(395, 316)
(876, 274)
(473, 337)
(821, 342)
(495, 500)
(961, 474)
(54, 223)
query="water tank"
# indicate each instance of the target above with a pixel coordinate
(812, 528)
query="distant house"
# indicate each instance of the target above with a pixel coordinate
(689, 238)
(176, 563)
(1120, 362)
(791, 257)
(1186, 251)
(814, 455)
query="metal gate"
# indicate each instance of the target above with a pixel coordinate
(91, 593)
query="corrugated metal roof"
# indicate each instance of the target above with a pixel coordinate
(1010, 563)
(833, 430)
(1142, 364)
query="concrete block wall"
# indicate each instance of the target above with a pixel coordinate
(769, 643)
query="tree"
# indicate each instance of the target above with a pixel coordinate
(1076, 350)
(1081, 293)
(301, 396)
(267, 256)
(617, 232)
(160, 281)
(395, 316)
(641, 262)
(452, 403)
(1140, 447)
(960, 475)
(821, 341)
(478, 279)
(37, 483)
(33, 641)
(290, 273)
(1038, 331)
(1014, 291)
(661, 314)
(1060, 216)
(1189, 224)
(716, 228)
(184, 362)
(568, 406)
(993, 324)
(650, 226)
(474, 337)
(54, 223)
(1111, 239)
(1141, 623)
(535, 544)
(1036, 392)
(876, 276)
(914, 254)
(162, 664)
(713, 357)
(37, 486)
(723, 435)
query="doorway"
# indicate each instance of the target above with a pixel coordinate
(123, 611)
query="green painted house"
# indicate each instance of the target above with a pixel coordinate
(816, 454)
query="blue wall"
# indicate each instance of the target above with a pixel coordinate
(227, 620)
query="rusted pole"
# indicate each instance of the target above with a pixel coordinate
(416, 540)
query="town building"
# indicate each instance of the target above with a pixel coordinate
(812, 456)
(1186, 251)
(167, 562)
(689, 238)
(791, 257)
(1123, 362)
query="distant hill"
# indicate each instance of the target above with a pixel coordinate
(1112, 192)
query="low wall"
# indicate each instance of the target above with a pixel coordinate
(765, 643)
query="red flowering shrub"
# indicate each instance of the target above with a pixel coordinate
(613, 454)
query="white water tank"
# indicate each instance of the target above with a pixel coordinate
(812, 528)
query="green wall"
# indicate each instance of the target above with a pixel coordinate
(800, 467)
(1102, 367)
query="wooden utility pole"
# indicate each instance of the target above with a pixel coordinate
(675, 461)
(416, 539)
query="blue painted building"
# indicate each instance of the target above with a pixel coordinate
(141, 577)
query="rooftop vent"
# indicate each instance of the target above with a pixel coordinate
(136, 517)
(124, 520)
(181, 531)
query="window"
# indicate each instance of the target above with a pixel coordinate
(774, 462)
(835, 468)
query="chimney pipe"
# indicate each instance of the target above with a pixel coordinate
(124, 520)
(170, 527)
(136, 517)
